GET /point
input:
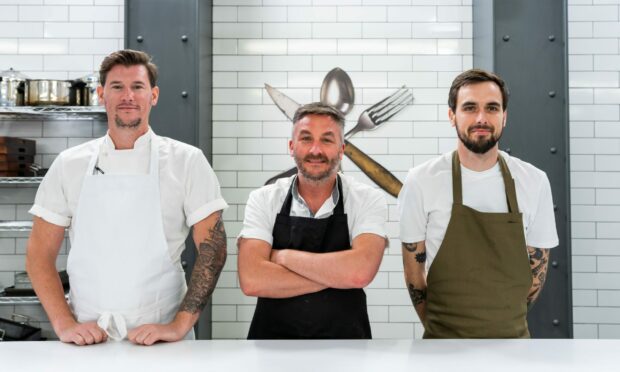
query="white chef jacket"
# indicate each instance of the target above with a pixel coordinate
(425, 201)
(189, 189)
(365, 207)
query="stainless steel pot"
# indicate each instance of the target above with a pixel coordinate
(48, 92)
(12, 88)
(87, 90)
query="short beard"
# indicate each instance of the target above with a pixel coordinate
(483, 145)
(131, 125)
(333, 165)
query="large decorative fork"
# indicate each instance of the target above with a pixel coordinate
(370, 119)
(382, 111)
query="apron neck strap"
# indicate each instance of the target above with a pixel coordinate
(509, 184)
(153, 163)
(457, 186)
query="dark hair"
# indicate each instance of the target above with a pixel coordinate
(128, 57)
(475, 76)
(319, 108)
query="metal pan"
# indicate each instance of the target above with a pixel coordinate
(49, 92)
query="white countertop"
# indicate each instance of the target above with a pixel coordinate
(318, 356)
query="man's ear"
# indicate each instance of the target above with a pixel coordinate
(154, 95)
(452, 117)
(100, 94)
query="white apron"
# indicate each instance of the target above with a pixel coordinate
(120, 271)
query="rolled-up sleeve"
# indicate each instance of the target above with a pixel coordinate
(257, 222)
(50, 202)
(203, 195)
(371, 215)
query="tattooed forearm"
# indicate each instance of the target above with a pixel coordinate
(211, 258)
(539, 259)
(411, 247)
(420, 257)
(417, 295)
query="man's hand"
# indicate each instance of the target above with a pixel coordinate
(148, 334)
(81, 333)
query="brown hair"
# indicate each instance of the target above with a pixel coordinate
(319, 108)
(128, 57)
(475, 76)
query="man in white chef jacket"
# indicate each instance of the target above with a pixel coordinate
(129, 200)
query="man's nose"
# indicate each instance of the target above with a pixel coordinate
(482, 117)
(315, 148)
(127, 95)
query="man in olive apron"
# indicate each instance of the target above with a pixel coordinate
(129, 200)
(476, 224)
(311, 242)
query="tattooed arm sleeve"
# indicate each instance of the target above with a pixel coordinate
(414, 261)
(210, 239)
(539, 259)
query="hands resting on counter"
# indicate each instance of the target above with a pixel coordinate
(147, 334)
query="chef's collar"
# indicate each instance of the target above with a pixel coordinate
(326, 209)
(142, 141)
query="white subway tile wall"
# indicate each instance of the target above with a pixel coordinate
(594, 66)
(382, 44)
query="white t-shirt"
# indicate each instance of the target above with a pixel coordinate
(425, 201)
(189, 189)
(365, 207)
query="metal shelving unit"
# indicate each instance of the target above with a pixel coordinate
(13, 226)
(20, 180)
(52, 112)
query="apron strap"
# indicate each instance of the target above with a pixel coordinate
(457, 187)
(339, 209)
(509, 184)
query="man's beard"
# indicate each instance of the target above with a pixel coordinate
(130, 125)
(483, 144)
(333, 165)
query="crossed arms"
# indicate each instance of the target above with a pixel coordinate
(271, 273)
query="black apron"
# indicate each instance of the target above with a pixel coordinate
(327, 314)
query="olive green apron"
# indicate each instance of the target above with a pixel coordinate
(480, 279)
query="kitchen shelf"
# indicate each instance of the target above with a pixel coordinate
(11, 226)
(21, 300)
(53, 112)
(20, 180)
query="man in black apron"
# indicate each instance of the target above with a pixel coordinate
(311, 242)
(465, 212)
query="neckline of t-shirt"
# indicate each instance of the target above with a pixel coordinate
(472, 173)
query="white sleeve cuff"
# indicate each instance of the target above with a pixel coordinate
(50, 216)
(206, 210)
(256, 234)
(412, 239)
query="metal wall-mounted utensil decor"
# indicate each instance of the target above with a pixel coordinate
(337, 91)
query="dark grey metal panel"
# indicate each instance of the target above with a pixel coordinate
(529, 51)
(177, 34)
(157, 27)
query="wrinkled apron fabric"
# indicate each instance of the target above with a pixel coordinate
(478, 284)
(120, 271)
